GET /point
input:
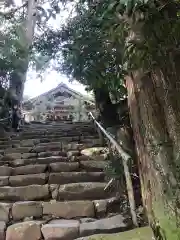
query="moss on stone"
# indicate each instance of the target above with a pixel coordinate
(144, 233)
(168, 221)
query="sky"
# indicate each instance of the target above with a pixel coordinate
(34, 86)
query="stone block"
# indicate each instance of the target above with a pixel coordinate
(22, 210)
(75, 177)
(29, 179)
(106, 225)
(2, 230)
(12, 156)
(4, 180)
(5, 171)
(25, 193)
(29, 230)
(61, 230)
(29, 169)
(93, 165)
(5, 211)
(64, 167)
(82, 191)
(101, 206)
(29, 155)
(69, 209)
(73, 153)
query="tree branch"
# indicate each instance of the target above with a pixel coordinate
(9, 13)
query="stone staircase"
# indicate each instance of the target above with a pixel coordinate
(52, 185)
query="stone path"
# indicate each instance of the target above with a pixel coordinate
(52, 186)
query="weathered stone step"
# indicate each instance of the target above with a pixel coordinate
(67, 210)
(43, 147)
(70, 191)
(88, 210)
(75, 177)
(29, 179)
(29, 169)
(93, 165)
(29, 230)
(43, 139)
(79, 191)
(5, 146)
(45, 160)
(71, 229)
(53, 135)
(70, 209)
(107, 225)
(51, 178)
(40, 168)
(64, 166)
(41, 165)
(101, 157)
(25, 193)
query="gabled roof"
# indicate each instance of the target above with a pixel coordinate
(55, 90)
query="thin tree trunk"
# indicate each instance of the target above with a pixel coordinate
(154, 110)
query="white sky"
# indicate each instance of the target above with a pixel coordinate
(33, 85)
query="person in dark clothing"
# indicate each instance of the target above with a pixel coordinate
(15, 117)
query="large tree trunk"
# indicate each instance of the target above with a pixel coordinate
(155, 115)
(19, 76)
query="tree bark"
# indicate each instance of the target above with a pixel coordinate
(19, 76)
(108, 110)
(155, 116)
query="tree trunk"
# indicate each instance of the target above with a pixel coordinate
(19, 76)
(108, 110)
(155, 116)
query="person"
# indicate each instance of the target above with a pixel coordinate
(16, 116)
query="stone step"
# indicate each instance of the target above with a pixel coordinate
(25, 193)
(71, 229)
(64, 229)
(29, 230)
(54, 135)
(12, 152)
(88, 210)
(51, 178)
(107, 225)
(64, 166)
(101, 157)
(93, 165)
(29, 169)
(45, 160)
(40, 168)
(75, 177)
(52, 164)
(79, 191)
(70, 191)
(5, 146)
(30, 179)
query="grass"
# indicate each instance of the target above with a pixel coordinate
(144, 233)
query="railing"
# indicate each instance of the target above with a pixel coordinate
(4, 119)
(125, 159)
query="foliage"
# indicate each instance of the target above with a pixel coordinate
(14, 51)
(149, 29)
(84, 52)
